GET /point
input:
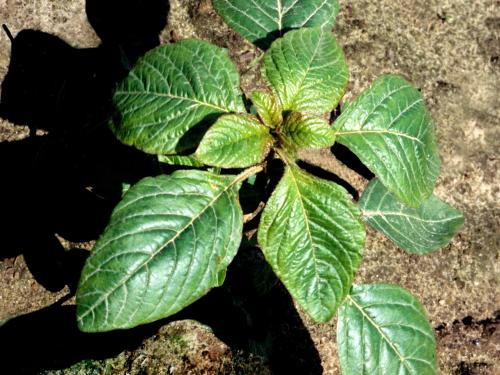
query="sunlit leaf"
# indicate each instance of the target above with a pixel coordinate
(173, 93)
(262, 21)
(383, 329)
(307, 71)
(168, 243)
(235, 141)
(391, 131)
(312, 236)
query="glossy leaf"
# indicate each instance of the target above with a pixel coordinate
(268, 110)
(262, 21)
(174, 91)
(391, 131)
(417, 230)
(383, 329)
(312, 236)
(168, 243)
(235, 141)
(184, 160)
(308, 131)
(307, 71)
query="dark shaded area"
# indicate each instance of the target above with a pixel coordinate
(321, 173)
(67, 181)
(265, 42)
(50, 339)
(131, 25)
(348, 158)
(252, 311)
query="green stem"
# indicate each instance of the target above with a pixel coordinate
(284, 156)
(249, 172)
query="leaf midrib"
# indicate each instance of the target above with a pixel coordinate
(263, 135)
(167, 95)
(303, 79)
(381, 131)
(382, 334)
(369, 214)
(309, 234)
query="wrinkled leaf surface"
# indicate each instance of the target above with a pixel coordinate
(304, 132)
(312, 236)
(417, 230)
(382, 329)
(235, 141)
(262, 21)
(307, 71)
(175, 89)
(168, 243)
(391, 131)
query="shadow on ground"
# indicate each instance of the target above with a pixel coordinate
(251, 312)
(66, 177)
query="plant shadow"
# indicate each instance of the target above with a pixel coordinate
(251, 312)
(66, 177)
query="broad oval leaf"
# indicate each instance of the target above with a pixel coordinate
(235, 141)
(417, 230)
(391, 131)
(168, 243)
(308, 131)
(172, 94)
(382, 329)
(312, 236)
(307, 71)
(262, 21)
(268, 110)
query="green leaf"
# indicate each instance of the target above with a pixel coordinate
(184, 160)
(312, 236)
(383, 329)
(391, 131)
(167, 244)
(173, 94)
(417, 230)
(262, 21)
(307, 71)
(268, 110)
(235, 141)
(308, 131)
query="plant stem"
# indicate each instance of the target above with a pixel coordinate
(249, 172)
(325, 160)
(284, 156)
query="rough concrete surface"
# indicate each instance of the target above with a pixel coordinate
(450, 49)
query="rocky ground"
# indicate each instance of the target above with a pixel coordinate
(450, 49)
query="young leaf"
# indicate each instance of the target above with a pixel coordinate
(307, 71)
(173, 89)
(184, 160)
(383, 329)
(417, 230)
(391, 131)
(269, 111)
(308, 131)
(235, 141)
(168, 242)
(262, 21)
(312, 236)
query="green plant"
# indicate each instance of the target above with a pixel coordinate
(171, 238)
